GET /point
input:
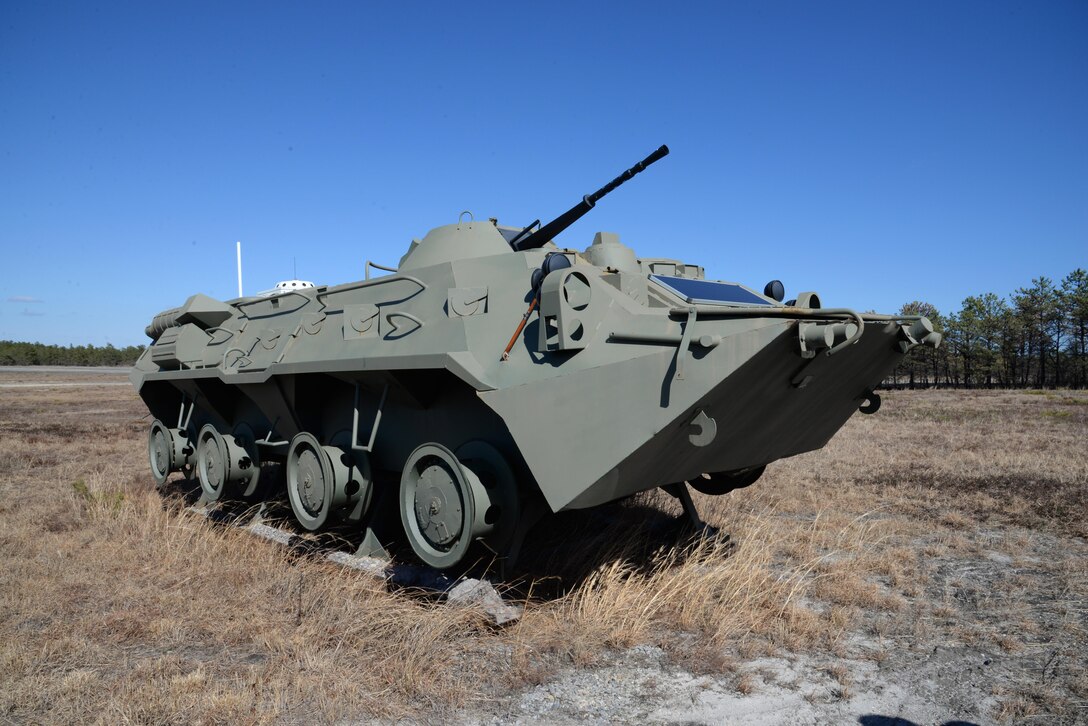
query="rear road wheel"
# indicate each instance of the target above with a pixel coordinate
(168, 451)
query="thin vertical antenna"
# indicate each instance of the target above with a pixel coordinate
(239, 268)
(294, 268)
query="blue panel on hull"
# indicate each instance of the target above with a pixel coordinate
(704, 291)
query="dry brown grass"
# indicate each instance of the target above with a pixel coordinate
(117, 606)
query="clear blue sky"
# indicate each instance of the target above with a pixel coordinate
(874, 152)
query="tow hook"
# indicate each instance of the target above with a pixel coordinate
(870, 402)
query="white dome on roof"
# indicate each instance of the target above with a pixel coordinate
(286, 286)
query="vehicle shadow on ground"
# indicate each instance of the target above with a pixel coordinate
(560, 552)
(564, 549)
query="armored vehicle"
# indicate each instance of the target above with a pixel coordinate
(494, 376)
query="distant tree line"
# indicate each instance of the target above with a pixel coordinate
(1038, 338)
(13, 353)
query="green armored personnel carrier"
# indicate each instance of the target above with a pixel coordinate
(494, 376)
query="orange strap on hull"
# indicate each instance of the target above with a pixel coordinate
(521, 327)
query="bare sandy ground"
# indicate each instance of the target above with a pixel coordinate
(62, 376)
(67, 370)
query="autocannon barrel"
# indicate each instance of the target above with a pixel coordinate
(553, 228)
